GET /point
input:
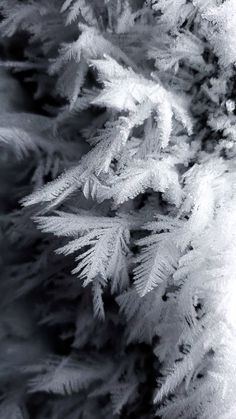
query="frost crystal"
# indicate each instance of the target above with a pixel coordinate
(118, 209)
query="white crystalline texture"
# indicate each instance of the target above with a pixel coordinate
(118, 209)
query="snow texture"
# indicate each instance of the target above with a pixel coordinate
(118, 209)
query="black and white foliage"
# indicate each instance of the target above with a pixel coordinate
(118, 209)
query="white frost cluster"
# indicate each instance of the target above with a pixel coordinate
(133, 182)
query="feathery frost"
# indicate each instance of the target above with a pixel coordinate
(118, 209)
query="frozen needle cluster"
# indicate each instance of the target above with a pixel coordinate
(118, 209)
